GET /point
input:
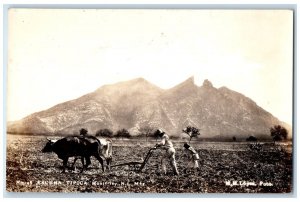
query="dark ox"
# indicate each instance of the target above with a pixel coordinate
(77, 146)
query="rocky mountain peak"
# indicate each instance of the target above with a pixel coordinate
(137, 103)
(138, 81)
(207, 83)
(183, 89)
(186, 84)
(190, 80)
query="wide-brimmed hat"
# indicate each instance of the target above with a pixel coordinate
(159, 132)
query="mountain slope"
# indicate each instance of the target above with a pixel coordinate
(134, 104)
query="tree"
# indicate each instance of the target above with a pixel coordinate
(278, 133)
(251, 139)
(83, 131)
(147, 132)
(123, 133)
(104, 133)
(191, 131)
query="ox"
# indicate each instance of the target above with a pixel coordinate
(74, 146)
(105, 152)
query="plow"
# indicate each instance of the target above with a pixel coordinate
(138, 165)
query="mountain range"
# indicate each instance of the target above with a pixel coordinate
(136, 104)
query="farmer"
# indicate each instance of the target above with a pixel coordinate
(193, 156)
(169, 153)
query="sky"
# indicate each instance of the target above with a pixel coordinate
(55, 55)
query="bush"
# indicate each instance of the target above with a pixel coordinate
(278, 133)
(123, 133)
(251, 139)
(104, 133)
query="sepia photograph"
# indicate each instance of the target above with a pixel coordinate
(149, 101)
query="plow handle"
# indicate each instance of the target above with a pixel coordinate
(147, 158)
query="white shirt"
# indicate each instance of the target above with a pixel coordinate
(165, 142)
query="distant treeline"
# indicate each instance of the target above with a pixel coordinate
(277, 133)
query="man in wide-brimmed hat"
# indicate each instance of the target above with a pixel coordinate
(166, 145)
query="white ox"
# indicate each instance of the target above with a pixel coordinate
(105, 152)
